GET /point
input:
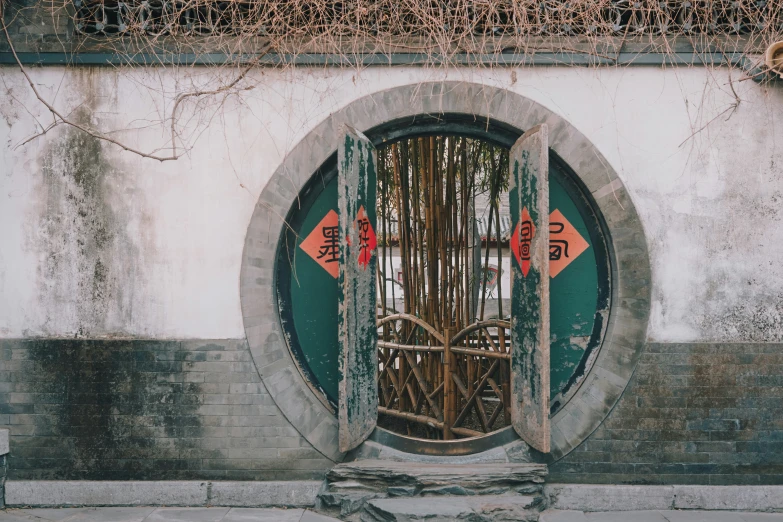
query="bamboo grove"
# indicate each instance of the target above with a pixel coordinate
(444, 363)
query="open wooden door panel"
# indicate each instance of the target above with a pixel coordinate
(529, 206)
(358, 333)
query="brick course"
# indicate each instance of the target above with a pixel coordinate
(692, 414)
(108, 409)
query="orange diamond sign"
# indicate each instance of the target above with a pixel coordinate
(323, 244)
(520, 241)
(565, 243)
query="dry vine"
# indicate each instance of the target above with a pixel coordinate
(241, 35)
(445, 31)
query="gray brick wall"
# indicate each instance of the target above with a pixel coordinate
(139, 409)
(692, 414)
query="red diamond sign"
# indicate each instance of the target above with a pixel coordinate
(520, 241)
(323, 244)
(368, 242)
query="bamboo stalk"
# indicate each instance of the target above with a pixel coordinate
(449, 409)
(430, 185)
(480, 353)
(429, 421)
(410, 347)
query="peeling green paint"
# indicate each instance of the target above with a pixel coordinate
(357, 331)
(529, 192)
(578, 297)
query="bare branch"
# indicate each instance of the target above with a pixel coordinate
(196, 94)
(66, 121)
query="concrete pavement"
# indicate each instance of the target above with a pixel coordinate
(152, 514)
(659, 516)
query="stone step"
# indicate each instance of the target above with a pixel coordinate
(487, 508)
(424, 478)
(354, 486)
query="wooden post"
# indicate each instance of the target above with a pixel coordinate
(450, 409)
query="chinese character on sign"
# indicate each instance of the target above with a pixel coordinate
(521, 241)
(525, 237)
(565, 243)
(364, 240)
(330, 248)
(367, 240)
(323, 244)
(557, 247)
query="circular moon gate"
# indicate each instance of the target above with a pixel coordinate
(580, 289)
(590, 402)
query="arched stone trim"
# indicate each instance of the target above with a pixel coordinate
(630, 303)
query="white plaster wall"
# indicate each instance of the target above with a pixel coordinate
(706, 180)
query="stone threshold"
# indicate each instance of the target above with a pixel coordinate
(590, 498)
(69, 493)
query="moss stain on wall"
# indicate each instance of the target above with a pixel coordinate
(87, 256)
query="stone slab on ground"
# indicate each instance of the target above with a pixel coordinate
(12, 517)
(151, 514)
(488, 507)
(565, 515)
(245, 494)
(739, 498)
(41, 493)
(192, 514)
(311, 516)
(105, 493)
(703, 516)
(107, 514)
(263, 515)
(589, 497)
(553, 515)
(623, 516)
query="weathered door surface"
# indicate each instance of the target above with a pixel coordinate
(358, 334)
(529, 202)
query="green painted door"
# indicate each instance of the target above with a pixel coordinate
(356, 290)
(529, 244)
